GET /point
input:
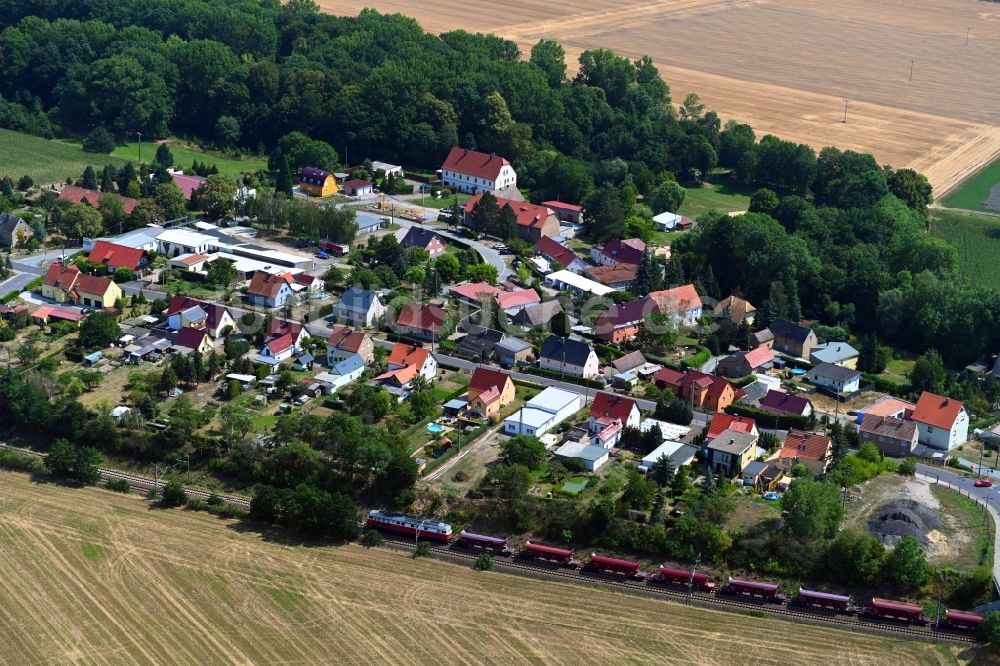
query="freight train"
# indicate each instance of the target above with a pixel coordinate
(879, 610)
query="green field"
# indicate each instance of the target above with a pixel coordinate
(977, 237)
(185, 156)
(721, 194)
(973, 192)
(45, 161)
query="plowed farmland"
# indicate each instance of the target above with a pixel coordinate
(93, 577)
(786, 66)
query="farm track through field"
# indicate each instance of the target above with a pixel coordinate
(104, 578)
(786, 66)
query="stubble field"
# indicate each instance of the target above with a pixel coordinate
(786, 66)
(92, 577)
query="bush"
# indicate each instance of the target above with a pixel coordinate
(423, 549)
(372, 539)
(99, 141)
(196, 504)
(119, 486)
(215, 500)
(484, 563)
(908, 467)
(173, 493)
(20, 461)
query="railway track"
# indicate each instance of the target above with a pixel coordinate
(144, 483)
(701, 599)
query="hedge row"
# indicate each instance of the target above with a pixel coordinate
(885, 385)
(572, 379)
(766, 419)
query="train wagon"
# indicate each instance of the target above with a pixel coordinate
(962, 619)
(606, 564)
(753, 588)
(537, 551)
(814, 599)
(698, 581)
(496, 545)
(400, 523)
(888, 609)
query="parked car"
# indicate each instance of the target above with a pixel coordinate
(983, 483)
(445, 211)
(322, 254)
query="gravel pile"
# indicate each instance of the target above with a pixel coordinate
(902, 518)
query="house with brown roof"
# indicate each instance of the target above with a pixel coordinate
(734, 309)
(66, 284)
(745, 363)
(191, 340)
(697, 388)
(490, 391)
(621, 322)
(345, 342)
(118, 256)
(421, 321)
(783, 403)
(473, 172)
(617, 251)
(538, 314)
(270, 290)
(92, 198)
(618, 277)
(184, 312)
(892, 436)
(556, 252)
(811, 449)
(533, 221)
(629, 362)
(942, 423)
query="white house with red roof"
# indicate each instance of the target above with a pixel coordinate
(473, 172)
(490, 391)
(609, 415)
(183, 312)
(277, 349)
(533, 221)
(721, 422)
(617, 251)
(117, 256)
(406, 362)
(942, 423)
(270, 290)
(561, 254)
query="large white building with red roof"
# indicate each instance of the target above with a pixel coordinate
(942, 423)
(473, 172)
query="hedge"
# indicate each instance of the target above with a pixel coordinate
(766, 419)
(885, 385)
(572, 379)
(698, 359)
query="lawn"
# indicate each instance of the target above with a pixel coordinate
(199, 589)
(443, 202)
(973, 192)
(977, 237)
(185, 155)
(722, 194)
(46, 161)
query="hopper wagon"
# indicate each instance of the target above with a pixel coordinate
(962, 620)
(496, 545)
(814, 599)
(537, 551)
(698, 581)
(753, 588)
(888, 609)
(606, 564)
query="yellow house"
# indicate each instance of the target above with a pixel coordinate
(66, 284)
(490, 391)
(317, 183)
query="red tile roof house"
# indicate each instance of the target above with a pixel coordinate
(490, 391)
(93, 198)
(745, 363)
(270, 290)
(617, 251)
(193, 339)
(281, 326)
(345, 342)
(566, 212)
(697, 388)
(277, 349)
(533, 222)
(425, 239)
(782, 403)
(510, 302)
(805, 448)
(942, 423)
(721, 422)
(620, 276)
(406, 362)
(188, 184)
(611, 411)
(312, 283)
(118, 256)
(424, 322)
(621, 321)
(473, 172)
(561, 254)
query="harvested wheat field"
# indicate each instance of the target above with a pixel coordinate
(93, 577)
(786, 66)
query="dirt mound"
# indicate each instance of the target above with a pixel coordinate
(901, 518)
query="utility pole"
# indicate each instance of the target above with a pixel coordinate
(139, 134)
(690, 584)
(845, 112)
(911, 69)
(944, 578)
